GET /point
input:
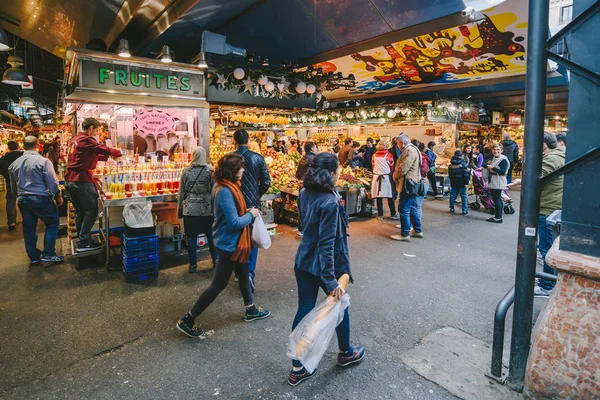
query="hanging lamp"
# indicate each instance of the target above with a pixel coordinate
(26, 102)
(15, 75)
(123, 49)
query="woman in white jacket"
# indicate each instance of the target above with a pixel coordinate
(498, 168)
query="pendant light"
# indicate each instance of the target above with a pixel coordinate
(26, 102)
(123, 49)
(15, 75)
(3, 41)
(165, 55)
(200, 60)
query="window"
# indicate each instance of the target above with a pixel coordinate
(566, 13)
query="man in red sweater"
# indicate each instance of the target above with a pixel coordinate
(84, 152)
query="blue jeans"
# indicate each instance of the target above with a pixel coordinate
(409, 214)
(545, 240)
(308, 290)
(463, 196)
(252, 262)
(420, 200)
(44, 209)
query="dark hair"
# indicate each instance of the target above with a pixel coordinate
(12, 145)
(430, 144)
(319, 176)
(308, 146)
(370, 140)
(292, 141)
(348, 141)
(30, 142)
(550, 140)
(421, 146)
(458, 153)
(228, 167)
(562, 137)
(241, 136)
(415, 143)
(480, 148)
(89, 122)
(355, 144)
(468, 145)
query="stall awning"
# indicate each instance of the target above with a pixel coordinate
(127, 99)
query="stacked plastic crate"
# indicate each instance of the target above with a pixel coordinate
(139, 257)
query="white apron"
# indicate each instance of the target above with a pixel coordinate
(382, 186)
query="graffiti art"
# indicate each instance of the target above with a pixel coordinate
(489, 48)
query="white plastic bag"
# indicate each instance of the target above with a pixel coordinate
(138, 215)
(309, 341)
(260, 235)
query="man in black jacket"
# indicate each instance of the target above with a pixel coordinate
(255, 182)
(511, 151)
(11, 198)
(369, 150)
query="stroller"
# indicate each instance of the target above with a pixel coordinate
(483, 195)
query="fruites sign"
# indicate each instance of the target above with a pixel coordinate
(141, 79)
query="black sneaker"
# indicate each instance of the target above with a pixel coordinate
(452, 211)
(35, 262)
(193, 331)
(256, 313)
(465, 213)
(297, 377)
(88, 247)
(494, 220)
(52, 260)
(12, 227)
(193, 268)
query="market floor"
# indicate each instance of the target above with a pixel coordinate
(89, 334)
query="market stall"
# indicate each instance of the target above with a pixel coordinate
(156, 114)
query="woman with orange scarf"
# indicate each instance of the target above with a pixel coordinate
(232, 237)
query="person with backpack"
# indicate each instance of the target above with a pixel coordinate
(459, 175)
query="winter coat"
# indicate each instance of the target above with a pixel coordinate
(323, 251)
(256, 179)
(510, 150)
(424, 164)
(228, 224)
(5, 162)
(459, 173)
(407, 167)
(194, 192)
(345, 155)
(432, 157)
(552, 192)
(367, 158)
(304, 164)
(477, 160)
(498, 169)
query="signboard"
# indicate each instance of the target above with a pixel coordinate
(469, 127)
(514, 119)
(485, 119)
(471, 116)
(136, 79)
(497, 118)
(153, 122)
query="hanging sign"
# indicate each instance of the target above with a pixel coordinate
(514, 119)
(137, 79)
(153, 122)
(472, 115)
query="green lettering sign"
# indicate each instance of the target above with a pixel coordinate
(120, 77)
(158, 78)
(185, 83)
(103, 74)
(147, 80)
(172, 82)
(137, 78)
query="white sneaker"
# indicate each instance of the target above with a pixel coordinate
(395, 217)
(439, 196)
(540, 292)
(416, 234)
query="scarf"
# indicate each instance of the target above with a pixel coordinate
(244, 246)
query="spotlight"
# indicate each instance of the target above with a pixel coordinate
(123, 49)
(165, 55)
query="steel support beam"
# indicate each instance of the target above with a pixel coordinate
(574, 24)
(535, 99)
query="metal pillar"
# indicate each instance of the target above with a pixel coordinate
(535, 100)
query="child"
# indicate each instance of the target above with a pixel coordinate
(459, 174)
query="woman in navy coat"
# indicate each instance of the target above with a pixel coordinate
(323, 254)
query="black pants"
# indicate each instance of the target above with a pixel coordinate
(85, 200)
(498, 204)
(391, 204)
(195, 226)
(222, 274)
(433, 182)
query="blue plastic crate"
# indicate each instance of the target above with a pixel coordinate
(139, 246)
(140, 268)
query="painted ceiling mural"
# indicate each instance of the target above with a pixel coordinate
(490, 48)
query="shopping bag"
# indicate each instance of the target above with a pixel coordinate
(260, 235)
(138, 214)
(309, 341)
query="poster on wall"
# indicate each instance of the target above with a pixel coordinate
(153, 122)
(493, 47)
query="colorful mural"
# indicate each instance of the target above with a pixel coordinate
(490, 48)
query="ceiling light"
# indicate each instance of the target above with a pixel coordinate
(123, 49)
(15, 75)
(3, 41)
(165, 55)
(265, 62)
(26, 102)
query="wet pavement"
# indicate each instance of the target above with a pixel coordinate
(89, 334)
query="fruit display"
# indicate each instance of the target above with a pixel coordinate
(282, 170)
(217, 151)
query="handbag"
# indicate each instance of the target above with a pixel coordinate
(414, 188)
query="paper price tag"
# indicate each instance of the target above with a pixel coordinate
(530, 231)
